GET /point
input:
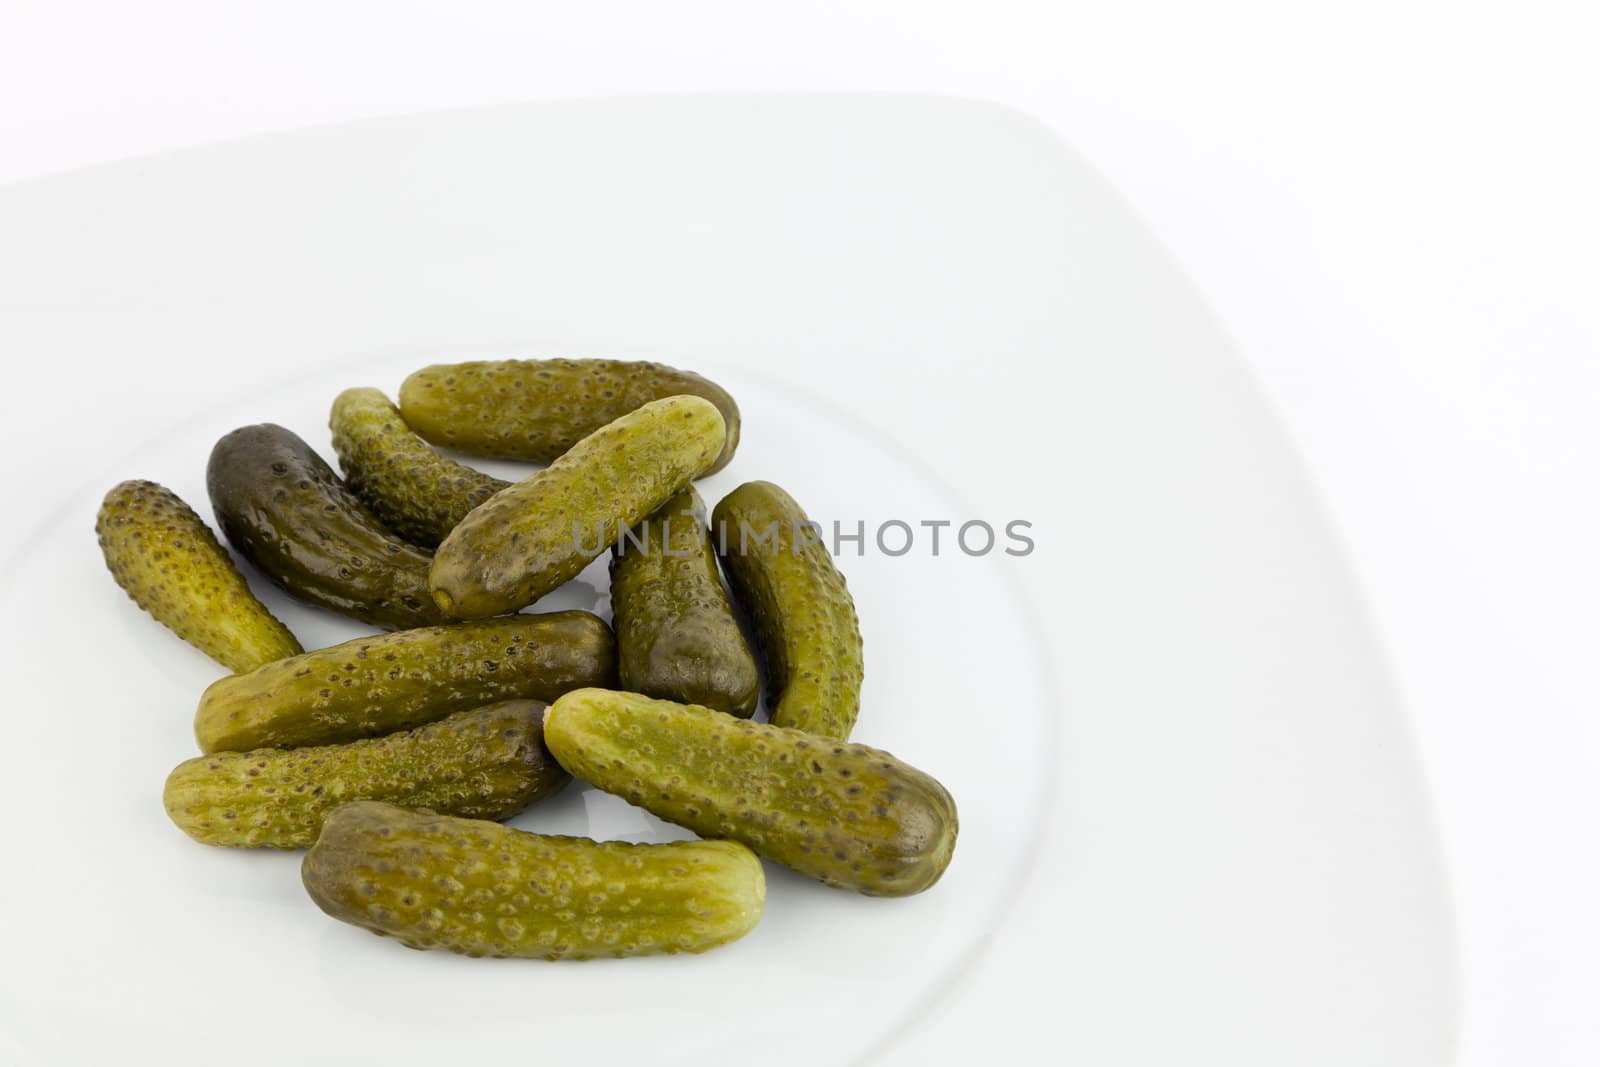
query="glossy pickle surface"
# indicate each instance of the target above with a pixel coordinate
(286, 511)
(387, 682)
(677, 637)
(845, 814)
(804, 616)
(168, 561)
(415, 491)
(488, 763)
(481, 889)
(535, 536)
(536, 409)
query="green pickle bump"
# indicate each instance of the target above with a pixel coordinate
(529, 539)
(489, 763)
(536, 409)
(845, 814)
(805, 619)
(416, 492)
(387, 682)
(481, 889)
(169, 562)
(677, 637)
(284, 509)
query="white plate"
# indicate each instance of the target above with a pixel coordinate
(1192, 826)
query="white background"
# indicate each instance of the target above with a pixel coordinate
(1391, 206)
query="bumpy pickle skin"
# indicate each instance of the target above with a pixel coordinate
(284, 509)
(387, 682)
(489, 763)
(847, 815)
(537, 535)
(416, 492)
(169, 562)
(536, 409)
(481, 889)
(677, 637)
(804, 616)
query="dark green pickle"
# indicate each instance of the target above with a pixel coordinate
(677, 637)
(286, 511)
(416, 492)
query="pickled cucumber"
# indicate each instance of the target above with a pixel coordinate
(170, 563)
(848, 815)
(489, 763)
(676, 634)
(380, 684)
(286, 511)
(536, 409)
(482, 889)
(805, 620)
(416, 492)
(527, 540)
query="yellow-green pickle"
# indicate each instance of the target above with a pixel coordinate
(482, 889)
(536, 409)
(283, 508)
(526, 540)
(418, 493)
(805, 618)
(488, 763)
(377, 685)
(170, 563)
(848, 815)
(677, 637)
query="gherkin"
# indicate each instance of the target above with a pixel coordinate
(488, 763)
(536, 409)
(169, 562)
(481, 889)
(677, 637)
(284, 509)
(847, 815)
(804, 616)
(416, 492)
(535, 536)
(376, 685)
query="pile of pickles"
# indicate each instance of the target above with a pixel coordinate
(392, 757)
